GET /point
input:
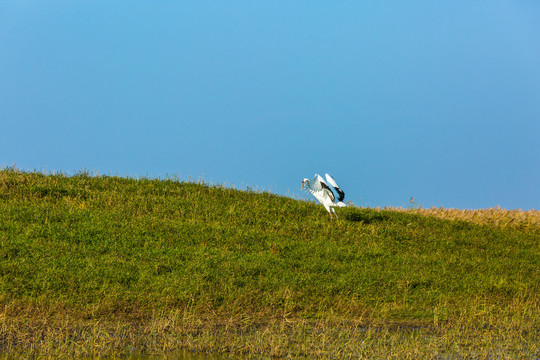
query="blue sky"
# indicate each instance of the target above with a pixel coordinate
(436, 100)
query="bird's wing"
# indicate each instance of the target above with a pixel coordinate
(327, 191)
(315, 183)
(320, 189)
(333, 182)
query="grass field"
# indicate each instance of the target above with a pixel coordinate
(100, 266)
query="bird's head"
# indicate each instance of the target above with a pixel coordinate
(304, 181)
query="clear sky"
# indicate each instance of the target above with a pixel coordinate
(439, 100)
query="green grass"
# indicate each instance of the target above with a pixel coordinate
(140, 252)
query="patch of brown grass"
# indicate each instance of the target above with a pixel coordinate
(483, 331)
(517, 218)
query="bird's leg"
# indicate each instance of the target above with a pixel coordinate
(335, 213)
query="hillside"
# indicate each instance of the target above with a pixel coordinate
(137, 254)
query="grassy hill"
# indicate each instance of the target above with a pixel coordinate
(159, 265)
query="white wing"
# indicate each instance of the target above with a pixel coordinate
(333, 182)
(321, 191)
(315, 183)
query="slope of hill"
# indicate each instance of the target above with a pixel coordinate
(159, 265)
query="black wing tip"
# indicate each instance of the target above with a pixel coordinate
(341, 194)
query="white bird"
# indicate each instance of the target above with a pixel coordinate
(322, 192)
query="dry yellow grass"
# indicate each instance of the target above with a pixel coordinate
(517, 218)
(479, 332)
